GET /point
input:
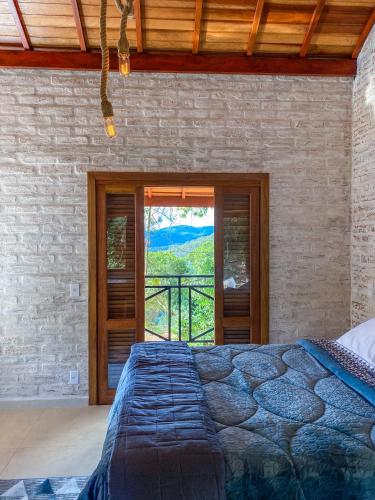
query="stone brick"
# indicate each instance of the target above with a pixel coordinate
(363, 186)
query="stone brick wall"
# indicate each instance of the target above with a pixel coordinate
(297, 129)
(363, 186)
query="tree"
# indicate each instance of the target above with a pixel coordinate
(201, 259)
(166, 262)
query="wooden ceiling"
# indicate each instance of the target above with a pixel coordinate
(242, 30)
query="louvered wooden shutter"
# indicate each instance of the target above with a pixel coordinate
(237, 244)
(120, 313)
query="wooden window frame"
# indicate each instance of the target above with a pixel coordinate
(111, 181)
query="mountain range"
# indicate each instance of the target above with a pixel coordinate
(163, 239)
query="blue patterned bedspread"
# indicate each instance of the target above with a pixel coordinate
(289, 428)
(161, 442)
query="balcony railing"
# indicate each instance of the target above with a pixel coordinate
(180, 307)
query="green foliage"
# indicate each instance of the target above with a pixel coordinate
(116, 242)
(199, 261)
(166, 262)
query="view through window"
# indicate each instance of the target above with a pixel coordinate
(179, 270)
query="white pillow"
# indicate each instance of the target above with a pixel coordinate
(361, 341)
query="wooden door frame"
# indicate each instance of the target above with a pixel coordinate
(141, 179)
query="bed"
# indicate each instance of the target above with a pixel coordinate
(240, 422)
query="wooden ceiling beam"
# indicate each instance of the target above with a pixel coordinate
(254, 27)
(21, 27)
(182, 63)
(364, 34)
(197, 25)
(138, 24)
(78, 21)
(312, 27)
(10, 46)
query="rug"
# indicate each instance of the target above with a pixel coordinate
(51, 488)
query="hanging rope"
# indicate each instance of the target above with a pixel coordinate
(107, 109)
(123, 44)
(123, 50)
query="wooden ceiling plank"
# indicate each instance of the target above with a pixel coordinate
(255, 27)
(78, 22)
(138, 24)
(364, 34)
(312, 27)
(197, 25)
(182, 63)
(21, 27)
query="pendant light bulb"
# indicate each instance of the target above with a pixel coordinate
(124, 63)
(109, 126)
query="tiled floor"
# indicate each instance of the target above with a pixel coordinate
(51, 441)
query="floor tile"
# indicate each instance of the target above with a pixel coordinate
(68, 427)
(15, 424)
(51, 441)
(5, 456)
(49, 462)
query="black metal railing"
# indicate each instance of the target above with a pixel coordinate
(180, 307)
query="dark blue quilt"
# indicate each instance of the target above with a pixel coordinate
(161, 443)
(289, 426)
